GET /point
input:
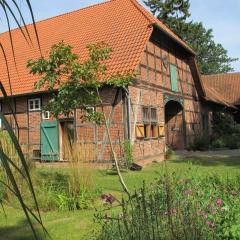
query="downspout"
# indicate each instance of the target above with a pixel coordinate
(128, 115)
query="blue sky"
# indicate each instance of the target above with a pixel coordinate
(222, 17)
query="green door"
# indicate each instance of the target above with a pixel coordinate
(49, 141)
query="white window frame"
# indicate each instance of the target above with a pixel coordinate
(45, 115)
(34, 104)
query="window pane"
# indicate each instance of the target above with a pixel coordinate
(146, 114)
(31, 105)
(153, 115)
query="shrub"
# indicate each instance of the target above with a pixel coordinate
(218, 143)
(128, 153)
(200, 143)
(226, 132)
(232, 141)
(177, 208)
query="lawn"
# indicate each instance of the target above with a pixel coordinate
(65, 225)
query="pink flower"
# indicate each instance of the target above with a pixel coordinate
(219, 202)
(210, 224)
(205, 215)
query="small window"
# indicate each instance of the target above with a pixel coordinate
(150, 121)
(45, 115)
(34, 104)
(174, 78)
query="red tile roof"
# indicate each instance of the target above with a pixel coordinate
(227, 86)
(123, 24)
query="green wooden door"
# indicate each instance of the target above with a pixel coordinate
(174, 78)
(49, 141)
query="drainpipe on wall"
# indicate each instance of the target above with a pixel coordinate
(128, 113)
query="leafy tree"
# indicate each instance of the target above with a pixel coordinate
(76, 85)
(171, 12)
(212, 57)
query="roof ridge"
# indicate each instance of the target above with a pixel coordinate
(144, 12)
(60, 15)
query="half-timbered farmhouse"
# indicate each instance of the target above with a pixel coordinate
(161, 107)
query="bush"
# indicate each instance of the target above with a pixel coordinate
(226, 132)
(232, 141)
(177, 208)
(218, 143)
(128, 153)
(200, 143)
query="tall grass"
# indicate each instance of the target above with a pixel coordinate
(56, 191)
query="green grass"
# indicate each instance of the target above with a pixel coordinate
(79, 224)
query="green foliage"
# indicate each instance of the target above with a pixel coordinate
(212, 56)
(54, 192)
(177, 207)
(75, 84)
(226, 132)
(200, 142)
(128, 153)
(170, 11)
(218, 143)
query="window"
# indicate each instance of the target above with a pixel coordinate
(150, 121)
(45, 115)
(34, 104)
(174, 78)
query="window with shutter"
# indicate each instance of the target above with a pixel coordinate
(149, 128)
(174, 78)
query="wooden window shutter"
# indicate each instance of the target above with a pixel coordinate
(174, 78)
(161, 130)
(140, 131)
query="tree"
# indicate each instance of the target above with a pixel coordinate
(76, 85)
(212, 57)
(171, 12)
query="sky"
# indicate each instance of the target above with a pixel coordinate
(222, 17)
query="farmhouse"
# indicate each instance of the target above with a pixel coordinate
(165, 105)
